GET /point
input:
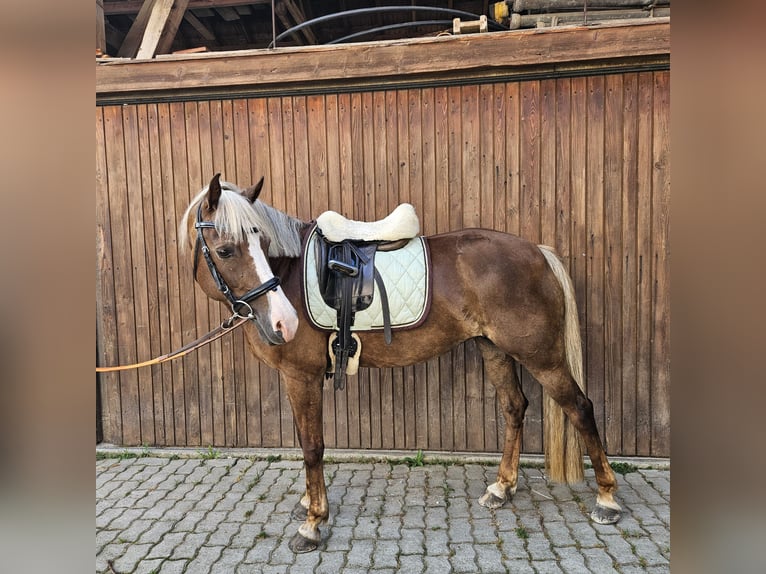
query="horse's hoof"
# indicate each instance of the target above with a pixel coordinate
(300, 544)
(299, 512)
(490, 500)
(605, 515)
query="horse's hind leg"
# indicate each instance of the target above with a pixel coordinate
(500, 369)
(579, 408)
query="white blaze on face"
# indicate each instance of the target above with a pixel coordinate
(282, 314)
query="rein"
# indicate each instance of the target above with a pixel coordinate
(229, 325)
(240, 306)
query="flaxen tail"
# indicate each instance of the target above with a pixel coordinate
(563, 444)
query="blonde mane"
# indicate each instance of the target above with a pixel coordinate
(235, 214)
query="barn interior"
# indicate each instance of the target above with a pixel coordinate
(152, 28)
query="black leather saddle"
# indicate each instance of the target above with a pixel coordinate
(347, 278)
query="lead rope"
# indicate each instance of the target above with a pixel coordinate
(229, 325)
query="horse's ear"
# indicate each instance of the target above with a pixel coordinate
(253, 192)
(214, 192)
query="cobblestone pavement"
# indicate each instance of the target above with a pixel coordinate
(232, 515)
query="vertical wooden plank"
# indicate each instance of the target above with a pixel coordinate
(368, 406)
(206, 320)
(100, 27)
(456, 358)
(442, 160)
(613, 166)
(263, 388)
(114, 123)
(473, 399)
(352, 162)
(644, 254)
(173, 372)
(529, 228)
(230, 344)
(180, 157)
(595, 268)
(150, 408)
(512, 203)
(429, 222)
(629, 263)
(661, 267)
(392, 397)
(135, 397)
(416, 377)
(246, 366)
(487, 158)
(548, 162)
(470, 175)
(445, 382)
(398, 156)
(106, 321)
(202, 402)
(212, 162)
(563, 179)
(334, 403)
(282, 137)
(578, 256)
(428, 215)
(302, 173)
(162, 374)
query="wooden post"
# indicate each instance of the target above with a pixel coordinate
(154, 27)
(100, 27)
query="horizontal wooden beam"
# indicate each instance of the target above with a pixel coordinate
(382, 61)
(113, 7)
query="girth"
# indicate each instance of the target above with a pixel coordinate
(347, 279)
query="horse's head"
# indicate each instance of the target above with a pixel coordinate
(230, 248)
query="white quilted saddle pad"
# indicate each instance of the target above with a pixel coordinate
(405, 274)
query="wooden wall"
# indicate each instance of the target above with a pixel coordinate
(580, 163)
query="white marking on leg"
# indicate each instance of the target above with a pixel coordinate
(496, 489)
(607, 501)
(308, 532)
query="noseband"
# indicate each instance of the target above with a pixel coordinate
(239, 306)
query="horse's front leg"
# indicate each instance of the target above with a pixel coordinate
(306, 401)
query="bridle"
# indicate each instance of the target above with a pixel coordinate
(240, 306)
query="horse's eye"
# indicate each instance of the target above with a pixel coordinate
(224, 252)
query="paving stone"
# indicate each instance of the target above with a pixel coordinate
(233, 515)
(412, 541)
(132, 556)
(360, 554)
(571, 559)
(619, 548)
(598, 560)
(489, 558)
(330, 562)
(204, 559)
(385, 554)
(410, 564)
(436, 564)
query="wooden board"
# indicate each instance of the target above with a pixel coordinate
(580, 163)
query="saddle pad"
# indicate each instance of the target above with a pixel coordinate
(405, 274)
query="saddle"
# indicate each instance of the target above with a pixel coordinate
(345, 260)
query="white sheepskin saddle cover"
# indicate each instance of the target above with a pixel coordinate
(406, 275)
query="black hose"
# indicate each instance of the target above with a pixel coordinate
(432, 9)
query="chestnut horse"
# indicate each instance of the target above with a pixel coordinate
(512, 296)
